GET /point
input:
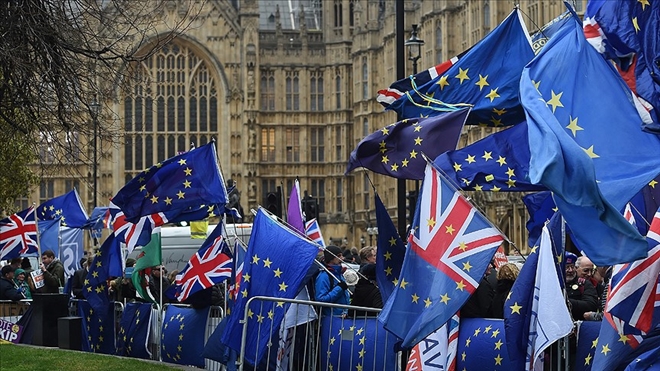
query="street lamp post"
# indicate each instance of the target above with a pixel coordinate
(95, 110)
(414, 45)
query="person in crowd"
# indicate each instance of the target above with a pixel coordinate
(53, 271)
(479, 303)
(581, 293)
(172, 275)
(506, 276)
(79, 277)
(332, 289)
(366, 292)
(16, 263)
(21, 282)
(122, 288)
(155, 285)
(367, 256)
(586, 270)
(603, 275)
(27, 267)
(8, 289)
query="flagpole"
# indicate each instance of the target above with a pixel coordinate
(36, 221)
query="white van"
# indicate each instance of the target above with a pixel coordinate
(178, 246)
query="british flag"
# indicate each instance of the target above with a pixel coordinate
(313, 231)
(237, 274)
(450, 247)
(18, 234)
(134, 234)
(210, 265)
(633, 286)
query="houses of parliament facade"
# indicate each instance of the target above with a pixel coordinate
(287, 89)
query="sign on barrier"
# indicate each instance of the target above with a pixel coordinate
(10, 331)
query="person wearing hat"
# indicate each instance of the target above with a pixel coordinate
(581, 293)
(8, 289)
(332, 289)
(366, 292)
(21, 282)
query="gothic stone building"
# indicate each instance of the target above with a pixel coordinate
(287, 89)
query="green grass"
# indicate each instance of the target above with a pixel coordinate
(25, 358)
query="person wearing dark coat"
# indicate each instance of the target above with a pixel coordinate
(479, 302)
(8, 290)
(581, 293)
(366, 292)
(506, 276)
(79, 277)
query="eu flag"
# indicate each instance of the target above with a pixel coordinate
(626, 31)
(396, 150)
(390, 251)
(182, 335)
(576, 140)
(134, 330)
(98, 328)
(356, 344)
(49, 236)
(107, 263)
(497, 163)
(178, 183)
(587, 344)
(535, 314)
(268, 272)
(96, 221)
(481, 345)
(449, 249)
(486, 77)
(67, 207)
(540, 207)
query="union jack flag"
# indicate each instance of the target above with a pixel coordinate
(134, 234)
(633, 286)
(313, 231)
(210, 265)
(237, 274)
(18, 234)
(450, 247)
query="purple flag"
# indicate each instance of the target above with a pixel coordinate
(294, 212)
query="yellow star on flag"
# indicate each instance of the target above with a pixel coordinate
(555, 101)
(182, 161)
(449, 229)
(267, 263)
(482, 82)
(590, 152)
(443, 82)
(573, 126)
(384, 159)
(413, 154)
(501, 160)
(457, 167)
(445, 299)
(403, 283)
(283, 286)
(427, 302)
(181, 195)
(388, 255)
(462, 74)
(605, 349)
(168, 201)
(493, 94)
(418, 141)
(470, 159)
(515, 308)
(415, 298)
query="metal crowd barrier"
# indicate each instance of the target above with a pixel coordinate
(305, 330)
(12, 311)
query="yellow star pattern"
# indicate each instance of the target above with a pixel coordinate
(457, 167)
(413, 154)
(555, 101)
(515, 308)
(470, 159)
(427, 302)
(573, 126)
(590, 152)
(445, 299)
(460, 285)
(644, 3)
(415, 298)
(605, 349)
(449, 229)
(443, 82)
(482, 82)
(403, 283)
(462, 74)
(493, 94)
(267, 263)
(278, 273)
(283, 286)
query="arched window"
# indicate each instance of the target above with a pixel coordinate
(486, 11)
(365, 79)
(438, 43)
(338, 91)
(179, 86)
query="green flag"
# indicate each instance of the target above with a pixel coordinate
(150, 256)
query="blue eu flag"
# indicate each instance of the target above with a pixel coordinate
(98, 328)
(107, 263)
(356, 344)
(587, 345)
(481, 345)
(396, 150)
(188, 180)
(270, 272)
(67, 208)
(486, 77)
(182, 335)
(576, 140)
(540, 207)
(134, 329)
(497, 163)
(49, 236)
(390, 251)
